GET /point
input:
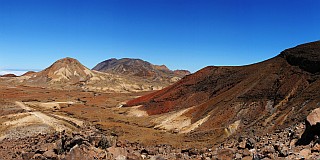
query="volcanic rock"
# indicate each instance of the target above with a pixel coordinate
(50, 154)
(312, 128)
(314, 117)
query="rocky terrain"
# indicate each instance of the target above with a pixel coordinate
(91, 143)
(140, 68)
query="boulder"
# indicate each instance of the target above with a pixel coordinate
(242, 145)
(316, 148)
(305, 153)
(312, 129)
(314, 117)
(50, 154)
(104, 143)
(27, 156)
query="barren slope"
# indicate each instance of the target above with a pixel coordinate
(252, 99)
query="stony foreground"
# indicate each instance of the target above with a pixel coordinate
(90, 143)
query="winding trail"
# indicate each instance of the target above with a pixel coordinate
(33, 118)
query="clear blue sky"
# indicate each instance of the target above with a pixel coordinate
(182, 34)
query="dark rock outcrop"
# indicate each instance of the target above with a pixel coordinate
(306, 56)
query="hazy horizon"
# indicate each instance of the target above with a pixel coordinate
(181, 34)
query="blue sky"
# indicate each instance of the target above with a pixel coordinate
(182, 34)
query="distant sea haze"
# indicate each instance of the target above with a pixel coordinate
(17, 72)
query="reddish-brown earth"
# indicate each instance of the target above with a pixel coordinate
(271, 94)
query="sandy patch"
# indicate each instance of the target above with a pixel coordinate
(48, 105)
(73, 120)
(37, 118)
(9, 116)
(173, 120)
(23, 106)
(177, 121)
(194, 125)
(136, 112)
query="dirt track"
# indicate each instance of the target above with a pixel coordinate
(34, 121)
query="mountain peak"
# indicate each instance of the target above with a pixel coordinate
(139, 68)
(66, 70)
(67, 60)
(161, 67)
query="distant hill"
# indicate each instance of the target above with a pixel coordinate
(66, 70)
(69, 73)
(140, 68)
(251, 100)
(28, 73)
(8, 75)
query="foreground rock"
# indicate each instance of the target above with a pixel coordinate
(90, 143)
(312, 131)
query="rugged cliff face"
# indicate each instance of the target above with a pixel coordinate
(251, 99)
(306, 56)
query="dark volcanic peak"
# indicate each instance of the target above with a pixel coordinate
(127, 66)
(306, 56)
(137, 67)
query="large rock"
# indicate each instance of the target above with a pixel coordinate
(312, 128)
(50, 154)
(314, 117)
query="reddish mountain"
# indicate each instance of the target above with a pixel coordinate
(252, 99)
